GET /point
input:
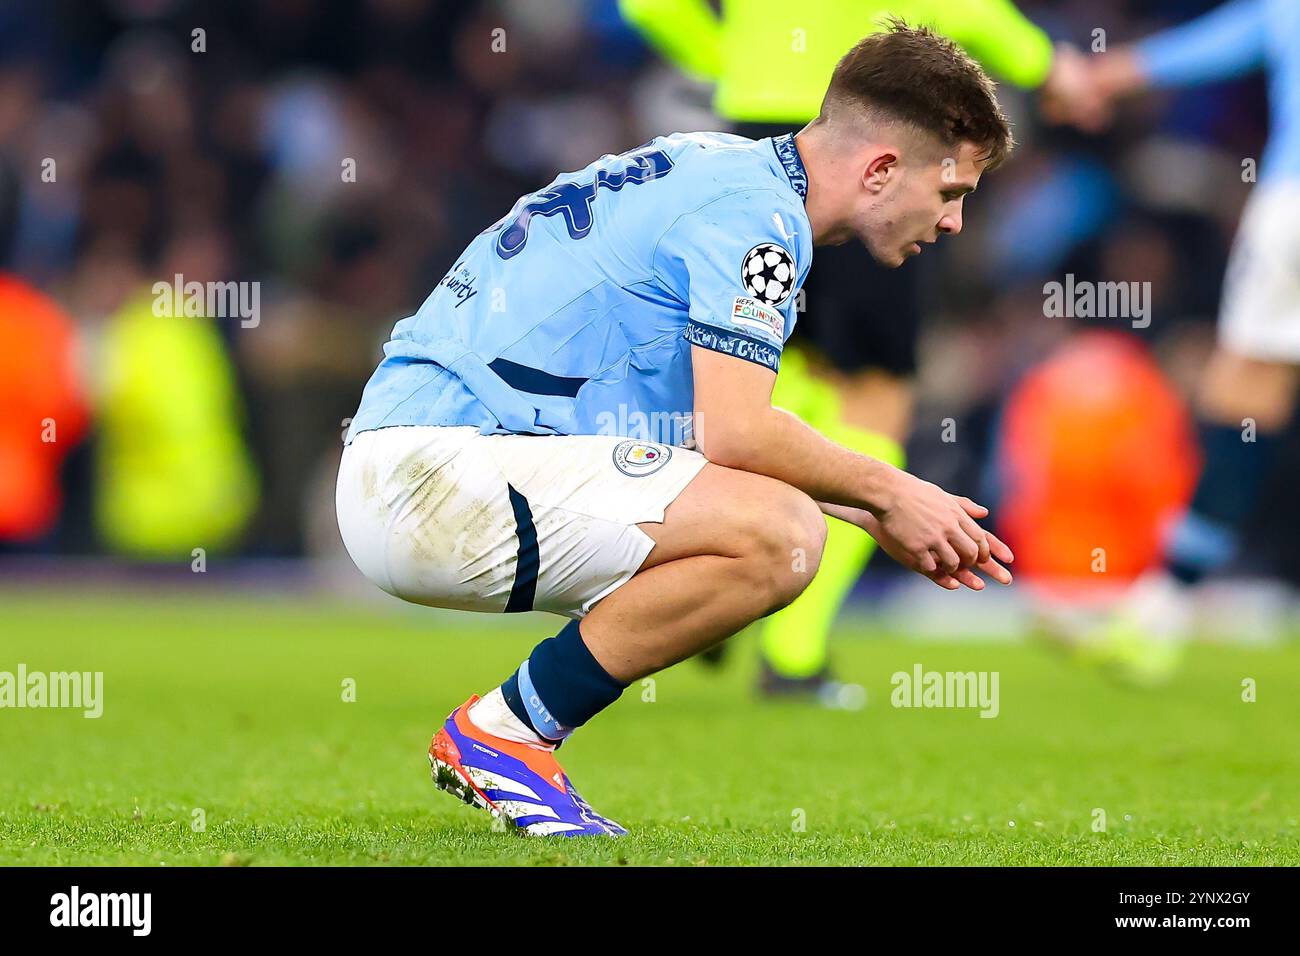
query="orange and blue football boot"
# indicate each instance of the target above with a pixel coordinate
(521, 785)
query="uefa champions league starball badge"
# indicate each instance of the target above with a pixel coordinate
(768, 273)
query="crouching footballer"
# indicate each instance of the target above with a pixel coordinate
(578, 419)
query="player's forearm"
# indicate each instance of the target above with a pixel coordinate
(1226, 42)
(777, 444)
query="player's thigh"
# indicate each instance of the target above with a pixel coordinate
(1237, 387)
(1259, 321)
(733, 513)
(450, 518)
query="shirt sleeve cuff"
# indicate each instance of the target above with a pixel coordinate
(734, 343)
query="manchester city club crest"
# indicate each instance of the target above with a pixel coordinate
(637, 459)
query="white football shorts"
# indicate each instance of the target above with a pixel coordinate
(1260, 317)
(447, 517)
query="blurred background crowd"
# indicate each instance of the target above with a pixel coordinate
(340, 153)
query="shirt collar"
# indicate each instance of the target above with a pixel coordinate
(788, 155)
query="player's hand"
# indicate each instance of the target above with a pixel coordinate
(1082, 89)
(1116, 74)
(935, 534)
(1072, 92)
(964, 577)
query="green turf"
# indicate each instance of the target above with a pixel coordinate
(235, 707)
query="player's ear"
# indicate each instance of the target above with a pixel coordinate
(880, 168)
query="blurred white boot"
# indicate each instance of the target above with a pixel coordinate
(1142, 641)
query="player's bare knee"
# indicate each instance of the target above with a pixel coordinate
(807, 541)
(789, 537)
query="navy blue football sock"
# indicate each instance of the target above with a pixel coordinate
(561, 686)
(1206, 537)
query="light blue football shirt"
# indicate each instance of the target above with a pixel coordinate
(575, 314)
(1231, 40)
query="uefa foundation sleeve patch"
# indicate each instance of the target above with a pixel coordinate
(747, 313)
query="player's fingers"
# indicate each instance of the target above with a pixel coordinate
(969, 578)
(946, 555)
(972, 508)
(996, 571)
(979, 536)
(945, 581)
(999, 550)
(966, 546)
(926, 564)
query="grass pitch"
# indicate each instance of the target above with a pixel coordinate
(234, 708)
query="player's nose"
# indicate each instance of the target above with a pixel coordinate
(950, 224)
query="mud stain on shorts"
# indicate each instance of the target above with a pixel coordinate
(449, 525)
(370, 482)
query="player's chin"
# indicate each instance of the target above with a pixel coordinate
(890, 259)
(911, 249)
(897, 259)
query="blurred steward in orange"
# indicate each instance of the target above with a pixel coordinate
(43, 411)
(1098, 456)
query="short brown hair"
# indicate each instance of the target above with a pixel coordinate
(915, 76)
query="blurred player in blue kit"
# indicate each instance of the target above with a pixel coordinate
(1247, 393)
(578, 419)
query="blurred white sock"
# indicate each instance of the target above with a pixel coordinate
(1161, 606)
(492, 714)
